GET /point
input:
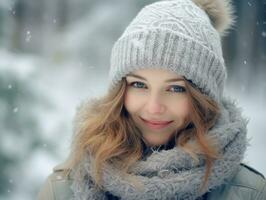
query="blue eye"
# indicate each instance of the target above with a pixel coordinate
(177, 88)
(137, 84)
(173, 88)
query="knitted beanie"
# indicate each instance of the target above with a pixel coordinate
(183, 36)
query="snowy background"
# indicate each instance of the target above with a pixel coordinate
(55, 53)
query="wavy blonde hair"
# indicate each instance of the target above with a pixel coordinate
(110, 136)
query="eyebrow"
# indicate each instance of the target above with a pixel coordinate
(167, 81)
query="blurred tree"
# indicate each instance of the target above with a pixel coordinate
(20, 128)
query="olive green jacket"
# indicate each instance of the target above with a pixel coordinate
(247, 184)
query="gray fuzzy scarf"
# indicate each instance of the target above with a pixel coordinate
(173, 174)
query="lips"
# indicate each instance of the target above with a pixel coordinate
(156, 124)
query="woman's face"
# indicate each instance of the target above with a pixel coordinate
(157, 101)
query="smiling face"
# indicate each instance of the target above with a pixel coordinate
(157, 102)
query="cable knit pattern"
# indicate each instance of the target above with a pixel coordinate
(172, 174)
(175, 35)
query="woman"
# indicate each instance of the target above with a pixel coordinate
(164, 130)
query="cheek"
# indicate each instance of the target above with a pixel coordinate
(131, 102)
(183, 109)
(186, 108)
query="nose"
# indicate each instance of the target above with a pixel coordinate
(155, 104)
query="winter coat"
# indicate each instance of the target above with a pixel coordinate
(247, 184)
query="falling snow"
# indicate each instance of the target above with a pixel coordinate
(15, 110)
(28, 36)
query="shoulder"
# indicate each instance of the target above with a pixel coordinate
(248, 177)
(247, 184)
(57, 185)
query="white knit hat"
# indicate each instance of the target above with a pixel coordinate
(183, 36)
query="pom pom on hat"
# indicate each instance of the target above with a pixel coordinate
(220, 13)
